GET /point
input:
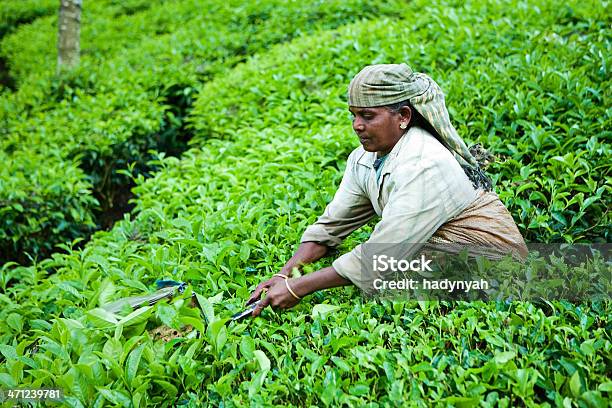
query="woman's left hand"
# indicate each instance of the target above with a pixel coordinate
(278, 296)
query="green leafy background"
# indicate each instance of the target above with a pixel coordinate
(253, 95)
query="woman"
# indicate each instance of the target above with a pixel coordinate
(414, 171)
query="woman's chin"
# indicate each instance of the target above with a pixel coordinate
(368, 147)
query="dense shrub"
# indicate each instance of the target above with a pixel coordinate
(134, 86)
(500, 70)
(16, 13)
(271, 139)
(32, 209)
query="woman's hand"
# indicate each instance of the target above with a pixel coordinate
(306, 253)
(277, 295)
(263, 287)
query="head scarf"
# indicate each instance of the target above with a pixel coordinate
(386, 84)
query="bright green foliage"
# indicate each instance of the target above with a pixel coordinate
(32, 208)
(342, 351)
(271, 139)
(16, 13)
(135, 84)
(504, 70)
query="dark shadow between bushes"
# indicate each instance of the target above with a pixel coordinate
(112, 174)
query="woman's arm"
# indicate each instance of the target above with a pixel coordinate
(325, 278)
(307, 252)
(278, 296)
(349, 209)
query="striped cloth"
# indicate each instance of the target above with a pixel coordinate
(386, 84)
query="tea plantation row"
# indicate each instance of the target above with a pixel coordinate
(333, 348)
(270, 140)
(14, 14)
(505, 72)
(130, 94)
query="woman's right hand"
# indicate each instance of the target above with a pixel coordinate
(263, 286)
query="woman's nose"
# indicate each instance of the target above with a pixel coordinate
(358, 125)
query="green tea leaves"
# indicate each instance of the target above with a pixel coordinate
(132, 364)
(262, 359)
(167, 314)
(263, 105)
(102, 318)
(321, 310)
(504, 357)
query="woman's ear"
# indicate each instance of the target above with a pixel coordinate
(406, 113)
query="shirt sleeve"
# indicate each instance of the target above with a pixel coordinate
(415, 210)
(350, 209)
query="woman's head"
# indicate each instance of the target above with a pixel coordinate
(380, 127)
(380, 116)
(386, 98)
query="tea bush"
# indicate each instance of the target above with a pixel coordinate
(223, 229)
(32, 209)
(500, 70)
(130, 94)
(271, 137)
(16, 13)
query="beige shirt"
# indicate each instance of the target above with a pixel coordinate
(420, 188)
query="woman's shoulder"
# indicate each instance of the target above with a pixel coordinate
(424, 147)
(424, 151)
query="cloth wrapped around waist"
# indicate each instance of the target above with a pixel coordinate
(483, 228)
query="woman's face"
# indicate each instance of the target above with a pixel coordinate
(378, 128)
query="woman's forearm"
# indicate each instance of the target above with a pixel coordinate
(307, 252)
(322, 279)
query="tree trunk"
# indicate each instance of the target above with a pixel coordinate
(68, 37)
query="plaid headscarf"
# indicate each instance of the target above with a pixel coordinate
(386, 84)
